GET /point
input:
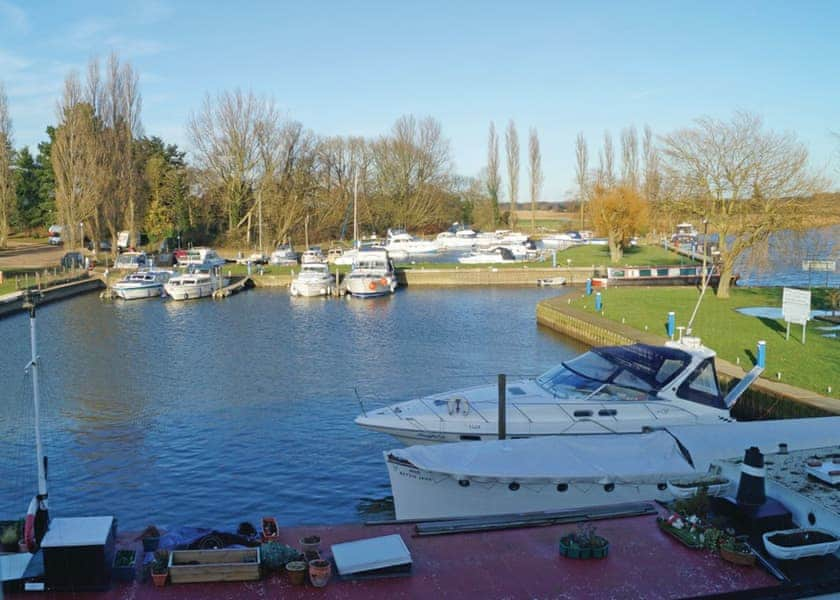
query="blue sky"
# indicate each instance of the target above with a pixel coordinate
(355, 67)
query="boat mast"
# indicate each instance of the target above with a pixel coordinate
(356, 208)
(40, 501)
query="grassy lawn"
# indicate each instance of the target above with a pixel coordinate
(588, 255)
(813, 366)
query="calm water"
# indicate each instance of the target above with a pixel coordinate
(209, 413)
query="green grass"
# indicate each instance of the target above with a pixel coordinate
(812, 366)
(588, 255)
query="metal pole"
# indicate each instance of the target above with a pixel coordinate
(355, 208)
(705, 236)
(259, 214)
(39, 452)
(502, 403)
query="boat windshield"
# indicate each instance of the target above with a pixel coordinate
(624, 372)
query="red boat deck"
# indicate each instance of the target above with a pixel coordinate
(643, 562)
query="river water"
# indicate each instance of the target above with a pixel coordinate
(209, 413)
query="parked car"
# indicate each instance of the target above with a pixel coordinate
(54, 240)
(73, 260)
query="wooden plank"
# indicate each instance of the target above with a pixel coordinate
(225, 564)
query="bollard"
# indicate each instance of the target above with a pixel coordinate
(589, 287)
(672, 324)
(249, 268)
(598, 303)
(761, 359)
(554, 258)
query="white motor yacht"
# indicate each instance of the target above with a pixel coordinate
(200, 256)
(314, 279)
(517, 476)
(613, 389)
(283, 255)
(131, 261)
(199, 281)
(313, 255)
(141, 284)
(372, 274)
(402, 241)
(499, 254)
(462, 239)
(561, 241)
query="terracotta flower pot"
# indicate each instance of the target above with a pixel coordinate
(319, 572)
(297, 572)
(310, 543)
(159, 579)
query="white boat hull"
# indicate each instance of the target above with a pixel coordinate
(420, 494)
(190, 292)
(309, 289)
(137, 292)
(370, 287)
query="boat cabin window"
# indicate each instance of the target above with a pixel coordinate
(702, 386)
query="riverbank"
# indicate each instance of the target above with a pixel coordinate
(60, 289)
(631, 315)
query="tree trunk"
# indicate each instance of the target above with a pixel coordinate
(616, 251)
(726, 269)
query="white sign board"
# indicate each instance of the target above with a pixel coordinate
(819, 265)
(796, 305)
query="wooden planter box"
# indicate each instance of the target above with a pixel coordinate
(234, 564)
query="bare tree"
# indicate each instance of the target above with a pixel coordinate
(746, 181)
(493, 180)
(608, 165)
(512, 152)
(8, 199)
(75, 158)
(581, 170)
(652, 176)
(630, 157)
(224, 137)
(536, 174)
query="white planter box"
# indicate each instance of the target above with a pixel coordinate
(794, 552)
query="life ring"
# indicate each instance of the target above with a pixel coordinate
(383, 281)
(372, 285)
(29, 524)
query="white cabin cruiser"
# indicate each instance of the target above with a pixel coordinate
(199, 281)
(495, 255)
(462, 239)
(313, 255)
(613, 389)
(200, 256)
(372, 274)
(283, 255)
(314, 279)
(141, 284)
(405, 242)
(131, 261)
(565, 472)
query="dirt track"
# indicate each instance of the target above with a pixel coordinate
(21, 255)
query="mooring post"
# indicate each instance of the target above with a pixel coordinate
(589, 287)
(502, 403)
(672, 324)
(761, 358)
(598, 302)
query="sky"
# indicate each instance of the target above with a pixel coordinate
(353, 68)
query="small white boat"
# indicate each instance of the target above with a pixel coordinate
(562, 241)
(402, 241)
(314, 279)
(551, 282)
(141, 284)
(555, 473)
(200, 281)
(131, 261)
(495, 255)
(283, 255)
(500, 237)
(613, 389)
(462, 239)
(372, 274)
(313, 255)
(200, 256)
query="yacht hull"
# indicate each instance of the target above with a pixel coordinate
(138, 292)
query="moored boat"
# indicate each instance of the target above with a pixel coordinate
(141, 284)
(372, 274)
(399, 240)
(314, 279)
(200, 281)
(130, 261)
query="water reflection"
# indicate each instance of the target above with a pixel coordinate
(210, 413)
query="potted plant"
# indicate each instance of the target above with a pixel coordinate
(151, 538)
(584, 543)
(124, 565)
(792, 544)
(297, 572)
(319, 572)
(9, 537)
(310, 543)
(274, 555)
(737, 552)
(160, 568)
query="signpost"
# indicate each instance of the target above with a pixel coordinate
(796, 308)
(827, 266)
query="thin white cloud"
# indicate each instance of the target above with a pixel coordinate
(132, 47)
(11, 63)
(13, 17)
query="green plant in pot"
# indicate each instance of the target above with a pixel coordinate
(584, 543)
(160, 567)
(274, 555)
(9, 538)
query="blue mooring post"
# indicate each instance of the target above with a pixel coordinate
(588, 287)
(761, 359)
(672, 324)
(598, 303)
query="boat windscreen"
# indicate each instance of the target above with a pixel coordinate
(639, 367)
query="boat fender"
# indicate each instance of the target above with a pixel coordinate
(29, 524)
(372, 285)
(383, 281)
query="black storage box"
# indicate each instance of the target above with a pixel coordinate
(78, 553)
(753, 521)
